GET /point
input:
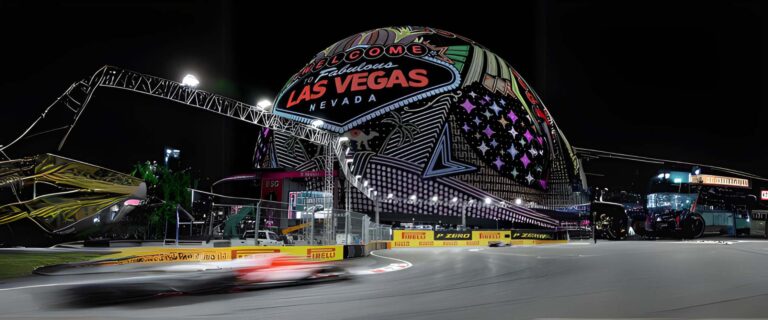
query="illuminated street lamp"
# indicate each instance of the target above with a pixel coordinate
(487, 200)
(518, 201)
(190, 81)
(318, 123)
(263, 104)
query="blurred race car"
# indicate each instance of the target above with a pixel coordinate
(673, 223)
(253, 272)
(610, 220)
(496, 244)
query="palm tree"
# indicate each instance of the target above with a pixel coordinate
(406, 130)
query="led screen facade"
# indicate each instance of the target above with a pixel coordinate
(431, 115)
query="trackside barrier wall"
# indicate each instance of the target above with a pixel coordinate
(377, 245)
(152, 255)
(429, 238)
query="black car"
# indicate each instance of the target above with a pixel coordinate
(671, 223)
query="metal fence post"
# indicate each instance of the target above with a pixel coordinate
(256, 225)
(311, 226)
(347, 225)
(177, 224)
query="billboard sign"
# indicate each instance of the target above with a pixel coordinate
(453, 235)
(347, 89)
(711, 180)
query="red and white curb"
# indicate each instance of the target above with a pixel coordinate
(400, 265)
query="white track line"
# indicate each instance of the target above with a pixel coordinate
(402, 265)
(69, 283)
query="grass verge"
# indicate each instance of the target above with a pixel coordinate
(19, 264)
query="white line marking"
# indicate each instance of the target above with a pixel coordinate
(70, 283)
(402, 265)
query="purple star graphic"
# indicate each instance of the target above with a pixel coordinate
(468, 105)
(465, 127)
(541, 140)
(477, 121)
(543, 184)
(528, 135)
(494, 143)
(525, 161)
(512, 116)
(487, 98)
(498, 163)
(488, 132)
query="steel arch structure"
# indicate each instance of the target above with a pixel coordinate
(78, 95)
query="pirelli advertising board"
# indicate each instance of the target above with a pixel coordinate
(533, 235)
(453, 235)
(160, 255)
(428, 238)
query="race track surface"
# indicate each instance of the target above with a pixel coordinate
(632, 279)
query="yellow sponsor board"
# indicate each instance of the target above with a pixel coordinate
(411, 235)
(161, 254)
(426, 238)
(529, 242)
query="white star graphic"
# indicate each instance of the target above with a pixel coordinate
(529, 178)
(483, 148)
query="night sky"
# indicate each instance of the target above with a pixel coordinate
(683, 83)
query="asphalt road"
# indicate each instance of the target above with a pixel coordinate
(654, 279)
